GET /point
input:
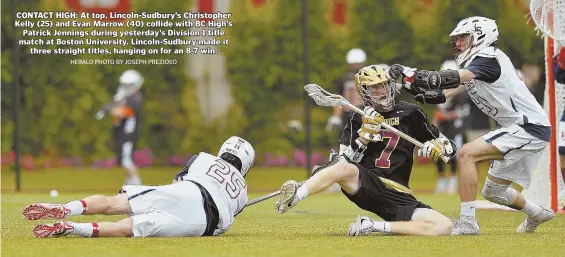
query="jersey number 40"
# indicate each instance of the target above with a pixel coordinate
(231, 178)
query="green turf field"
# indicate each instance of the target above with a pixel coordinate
(316, 227)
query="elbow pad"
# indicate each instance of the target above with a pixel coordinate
(435, 79)
(355, 151)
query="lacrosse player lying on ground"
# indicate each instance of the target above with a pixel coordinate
(490, 79)
(203, 200)
(374, 165)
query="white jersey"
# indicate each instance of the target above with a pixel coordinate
(225, 184)
(507, 100)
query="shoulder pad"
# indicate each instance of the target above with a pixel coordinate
(489, 52)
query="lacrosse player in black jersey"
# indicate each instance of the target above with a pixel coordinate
(374, 164)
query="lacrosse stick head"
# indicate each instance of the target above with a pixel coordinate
(323, 97)
(549, 17)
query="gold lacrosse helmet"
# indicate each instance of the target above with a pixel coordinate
(374, 87)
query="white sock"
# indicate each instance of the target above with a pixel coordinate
(452, 184)
(301, 193)
(76, 208)
(133, 180)
(381, 226)
(440, 185)
(468, 209)
(85, 229)
(453, 180)
(531, 209)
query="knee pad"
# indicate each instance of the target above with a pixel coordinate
(500, 194)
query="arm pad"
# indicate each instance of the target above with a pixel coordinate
(435, 79)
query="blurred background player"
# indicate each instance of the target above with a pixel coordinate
(197, 203)
(451, 119)
(126, 116)
(345, 86)
(560, 78)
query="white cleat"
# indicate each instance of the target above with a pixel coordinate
(531, 223)
(57, 229)
(38, 211)
(363, 226)
(288, 193)
(466, 225)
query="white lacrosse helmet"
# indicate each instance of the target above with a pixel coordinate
(482, 33)
(130, 82)
(356, 55)
(238, 152)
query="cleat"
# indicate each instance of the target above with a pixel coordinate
(288, 193)
(466, 226)
(363, 226)
(57, 229)
(531, 223)
(38, 211)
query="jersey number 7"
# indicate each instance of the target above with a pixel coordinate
(384, 160)
(222, 172)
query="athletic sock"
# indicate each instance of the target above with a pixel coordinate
(76, 208)
(301, 193)
(531, 209)
(441, 185)
(381, 226)
(468, 209)
(85, 229)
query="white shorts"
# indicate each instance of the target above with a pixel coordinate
(521, 153)
(174, 210)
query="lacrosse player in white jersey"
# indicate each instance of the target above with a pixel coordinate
(203, 200)
(491, 81)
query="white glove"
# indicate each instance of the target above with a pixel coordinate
(99, 115)
(435, 148)
(333, 121)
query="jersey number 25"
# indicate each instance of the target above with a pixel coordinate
(233, 181)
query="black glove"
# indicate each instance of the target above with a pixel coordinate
(396, 72)
(430, 97)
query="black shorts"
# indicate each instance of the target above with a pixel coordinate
(385, 202)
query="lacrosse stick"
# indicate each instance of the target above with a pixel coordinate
(267, 197)
(549, 17)
(334, 158)
(325, 98)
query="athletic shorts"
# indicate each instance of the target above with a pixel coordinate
(177, 210)
(385, 198)
(522, 147)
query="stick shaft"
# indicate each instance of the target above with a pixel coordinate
(266, 197)
(394, 130)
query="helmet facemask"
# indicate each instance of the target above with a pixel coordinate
(461, 46)
(379, 96)
(374, 88)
